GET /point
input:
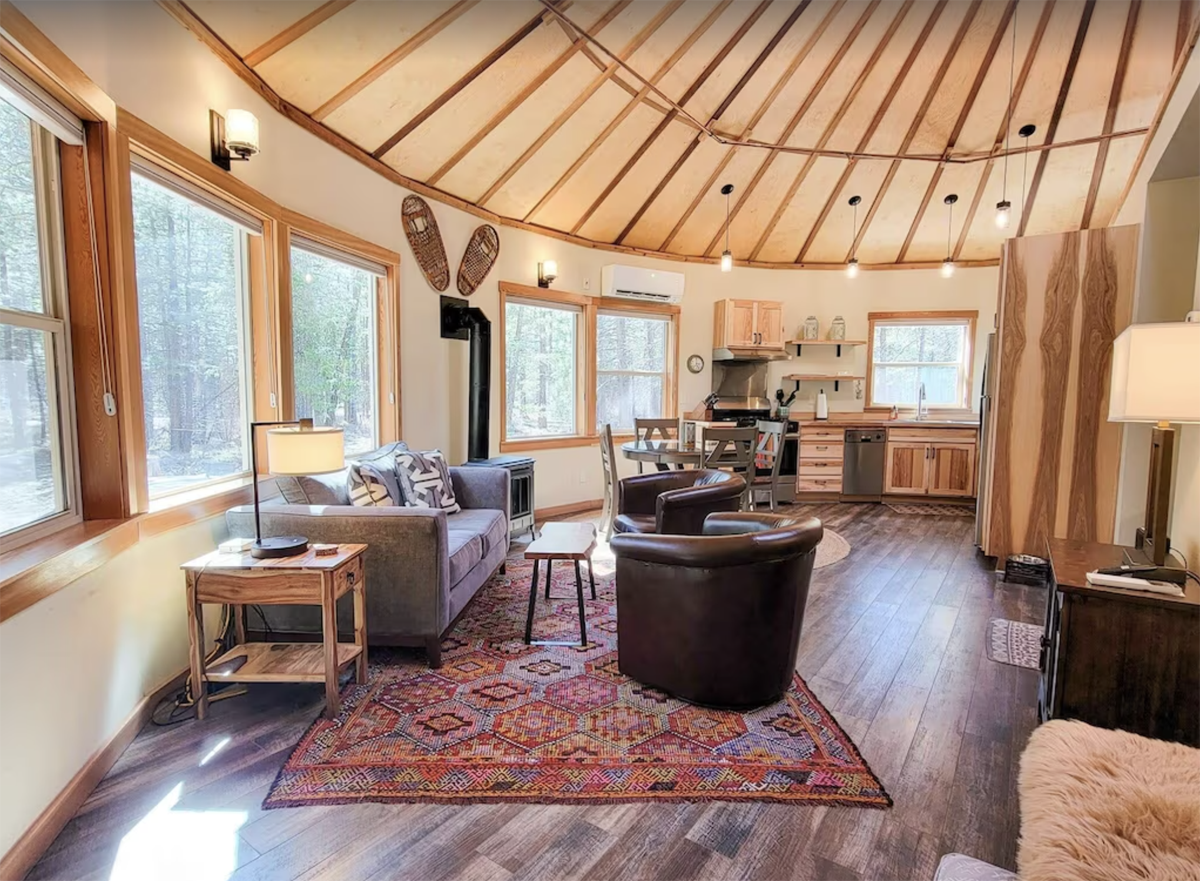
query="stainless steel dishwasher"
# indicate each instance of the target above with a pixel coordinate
(862, 470)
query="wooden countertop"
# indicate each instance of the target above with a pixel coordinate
(855, 420)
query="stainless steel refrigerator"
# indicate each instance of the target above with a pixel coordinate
(986, 400)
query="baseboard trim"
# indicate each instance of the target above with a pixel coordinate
(568, 510)
(28, 849)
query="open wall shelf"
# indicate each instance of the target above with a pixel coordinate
(822, 377)
(799, 344)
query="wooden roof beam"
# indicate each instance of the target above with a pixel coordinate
(1186, 11)
(594, 86)
(972, 95)
(294, 32)
(462, 82)
(880, 112)
(1002, 132)
(379, 68)
(1110, 115)
(648, 142)
(918, 118)
(536, 83)
(1056, 116)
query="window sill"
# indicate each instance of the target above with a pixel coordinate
(548, 443)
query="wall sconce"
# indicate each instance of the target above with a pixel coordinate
(233, 137)
(547, 272)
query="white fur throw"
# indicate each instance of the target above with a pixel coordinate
(1100, 805)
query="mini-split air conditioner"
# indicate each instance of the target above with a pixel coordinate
(636, 283)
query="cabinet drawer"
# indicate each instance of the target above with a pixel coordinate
(822, 450)
(820, 468)
(348, 576)
(821, 432)
(819, 485)
(933, 435)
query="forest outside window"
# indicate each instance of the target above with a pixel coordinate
(915, 350)
(37, 465)
(191, 254)
(632, 375)
(335, 304)
(541, 369)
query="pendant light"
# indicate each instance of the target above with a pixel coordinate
(1004, 207)
(948, 263)
(1026, 133)
(852, 266)
(726, 255)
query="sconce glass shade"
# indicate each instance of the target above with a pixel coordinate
(726, 261)
(294, 450)
(1155, 370)
(947, 268)
(241, 133)
(547, 272)
(1003, 209)
(852, 268)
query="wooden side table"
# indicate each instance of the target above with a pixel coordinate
(306, 579)
(561, 541)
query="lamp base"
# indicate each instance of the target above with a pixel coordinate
(278, 546)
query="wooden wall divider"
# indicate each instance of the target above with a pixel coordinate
(1054, 458)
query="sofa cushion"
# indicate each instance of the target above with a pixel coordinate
(466, 550)
(489, 525)
(636, 523)
(425, 481)
(317, 489)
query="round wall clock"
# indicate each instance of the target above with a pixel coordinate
(695, 363)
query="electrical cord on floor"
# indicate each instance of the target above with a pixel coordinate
(172, 710)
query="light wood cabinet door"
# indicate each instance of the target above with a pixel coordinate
(739, 324)
(769, 325)
(952, 470)
(907, 465)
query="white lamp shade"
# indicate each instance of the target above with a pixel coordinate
(1156, 374)
(241, 131)
(293, 451)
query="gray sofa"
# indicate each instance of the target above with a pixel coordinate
(422, 566)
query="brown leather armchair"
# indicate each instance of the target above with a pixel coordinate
(675, 502)
(715, 619)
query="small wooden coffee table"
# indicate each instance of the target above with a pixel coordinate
(561, 541)
(305, 579)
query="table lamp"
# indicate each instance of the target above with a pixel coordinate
(293, 448)
(1156, 379)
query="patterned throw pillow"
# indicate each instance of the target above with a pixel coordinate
(425, 481)
(367, 487)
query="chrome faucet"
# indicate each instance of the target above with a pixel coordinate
(922, 405)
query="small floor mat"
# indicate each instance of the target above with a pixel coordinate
(1014, 643)
(934, 510)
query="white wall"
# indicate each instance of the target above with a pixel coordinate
(75, 666)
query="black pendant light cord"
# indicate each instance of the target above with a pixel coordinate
(949, 229)
(727, 221)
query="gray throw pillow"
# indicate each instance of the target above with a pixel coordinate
(320, 489)
(425, 481)
(367, 487)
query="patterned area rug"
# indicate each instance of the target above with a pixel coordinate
(505, 722)
(934, 510)
(1014, 643)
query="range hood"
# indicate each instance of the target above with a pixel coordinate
(750, 354)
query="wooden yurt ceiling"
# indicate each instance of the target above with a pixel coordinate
(618, 122)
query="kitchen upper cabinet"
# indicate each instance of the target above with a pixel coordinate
(952, 469)
(748, 324)
(907, 464)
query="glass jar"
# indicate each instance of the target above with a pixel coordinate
(837, 330)
(812, 328)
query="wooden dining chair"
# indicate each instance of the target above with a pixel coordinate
(608, 459)
(768, 456)
(732, 450)
(645, 429)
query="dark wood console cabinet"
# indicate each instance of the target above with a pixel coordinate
(1119, 658)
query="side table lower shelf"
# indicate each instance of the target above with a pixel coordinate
(278, 662)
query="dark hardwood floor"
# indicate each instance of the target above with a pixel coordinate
(893, 644)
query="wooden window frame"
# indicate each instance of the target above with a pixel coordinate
(932, 317)
(388, 421)
(586, 367)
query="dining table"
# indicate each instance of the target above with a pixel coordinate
(666, 453)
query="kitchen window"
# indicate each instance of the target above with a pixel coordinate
(908, 350)
(37, 437)
(633, 377)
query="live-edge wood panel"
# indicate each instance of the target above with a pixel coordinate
(1055, 461)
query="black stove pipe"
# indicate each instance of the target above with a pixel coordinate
(463, 322)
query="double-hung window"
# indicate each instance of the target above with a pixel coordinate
(335, 308)
(911, 351)
(192, 259)
(633, 352)
(37, 459)
(541, 369)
